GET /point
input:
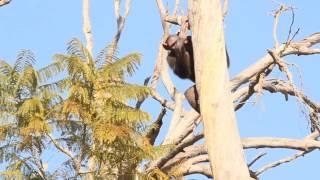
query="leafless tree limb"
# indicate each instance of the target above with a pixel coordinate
(65, 151)
(225, 8)
(285, 88)
(87, 26)
(275, 25)
(255, 75)
(282, 161)
(307, 144)
(269, 142)
(161, 67)
(188, 152)
(302, 47)
(288, 159)
(171, 134)
(160, 162)
(177, 20)
(176, 6)
(289, 89)
(255, 159)
(120, 26)
(4, 2)
(156, 126)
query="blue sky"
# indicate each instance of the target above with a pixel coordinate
(46, 26)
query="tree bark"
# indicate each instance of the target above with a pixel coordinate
(221, 132)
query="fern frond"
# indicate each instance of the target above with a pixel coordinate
(7, 105)
(79, 94)
(36, 126)
(50, 71)
(77, 69)
(11, 174)
(109, 132)
(58, 86)
(5, 68)
(104, 55)
(25, 59)
(76, 48)
(28, 79)
(118, 112)
(126, 65)
(30, 107)
(50, 98)
(4, 131)
(123, 92)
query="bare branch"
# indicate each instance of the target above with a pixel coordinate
(302, 47)
(199, 169)
(275, 25)
(288, 159)
(268, 142)
(255, 159)
(282, 161)
(161, 67)
(87, 26)
(177, 20)
(120, 26)
(172, 133)
(162, 12)
(289, 89)
(188, 152)
(285, 88)
(4, 2)
(225, 8)
(66, 152)
(282, 65)
(160, 162)
(140, 101)
(153, 133)
(161, 100)
(176, 6)
(255, 86)
(307, 143)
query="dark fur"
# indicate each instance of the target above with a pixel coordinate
(181, 61)
(180, 57)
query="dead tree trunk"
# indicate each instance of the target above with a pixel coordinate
(220, 127)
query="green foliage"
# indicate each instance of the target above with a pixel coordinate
(98, 98)
(24, 111)
(87, 110)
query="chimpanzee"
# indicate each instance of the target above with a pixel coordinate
(181, 61)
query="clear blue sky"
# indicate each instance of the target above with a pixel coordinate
(46, 26)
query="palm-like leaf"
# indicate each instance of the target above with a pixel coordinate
(5, 68)
(77, 69)
(50, 71)
(104, 56)
(24, 59)
(126, 65)
(76, 48)
(123, 92)
(118, 112)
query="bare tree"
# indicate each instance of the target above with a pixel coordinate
(225, 158)
(217, 112)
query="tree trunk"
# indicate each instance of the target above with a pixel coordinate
(220, 127)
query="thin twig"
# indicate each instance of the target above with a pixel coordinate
(256, 158)
(288, 159)
(282, 161)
